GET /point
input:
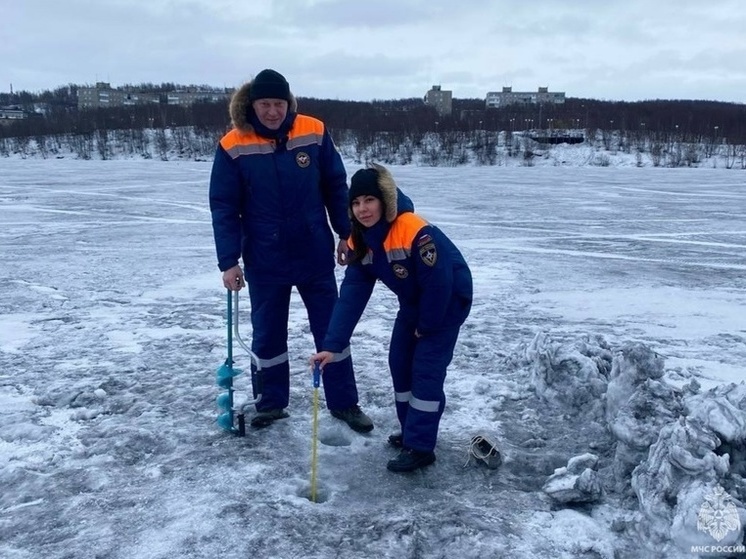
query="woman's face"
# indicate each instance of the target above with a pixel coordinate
(367, 209)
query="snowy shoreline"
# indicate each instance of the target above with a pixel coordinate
(601, 148)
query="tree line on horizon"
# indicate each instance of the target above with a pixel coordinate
(691, 121)
(668, 133)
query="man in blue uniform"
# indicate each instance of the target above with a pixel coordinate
(275, 178)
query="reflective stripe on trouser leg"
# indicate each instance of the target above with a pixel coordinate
(274, 382)
(269, 322)
(431, 357)
(401, 353)
(402, 407)
(338, 379)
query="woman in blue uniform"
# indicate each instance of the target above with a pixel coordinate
(432, 281)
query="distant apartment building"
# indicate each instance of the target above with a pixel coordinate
(12, 113)
(189, 97)
(103, 95)
(497, 99)
(441, 99)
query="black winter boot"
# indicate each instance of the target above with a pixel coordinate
(396, 440)
(355, 418)
(410, 460)
(267, 417)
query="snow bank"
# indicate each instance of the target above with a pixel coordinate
(679, 453)
(574, 376)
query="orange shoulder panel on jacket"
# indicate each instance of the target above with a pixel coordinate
(237, 138)
(403, 231)
(305, 124)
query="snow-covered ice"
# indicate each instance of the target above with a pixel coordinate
(606, 350)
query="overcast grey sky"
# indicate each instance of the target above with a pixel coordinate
(388, 49)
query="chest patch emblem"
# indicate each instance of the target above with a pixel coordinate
(400, 271)
(303, 159)
(429, 254)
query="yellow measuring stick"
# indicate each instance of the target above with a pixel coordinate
(314, 461)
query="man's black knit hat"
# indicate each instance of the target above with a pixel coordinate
(269, 84)
(365, 183)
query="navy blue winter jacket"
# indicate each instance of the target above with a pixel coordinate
(419, 263)
(269, 200)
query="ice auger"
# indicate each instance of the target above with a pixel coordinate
(233, 403)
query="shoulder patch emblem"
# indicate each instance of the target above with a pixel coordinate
(424, 239)
(303, 159)
(429, 254)
(400, 271)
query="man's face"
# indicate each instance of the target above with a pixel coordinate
(271, 112)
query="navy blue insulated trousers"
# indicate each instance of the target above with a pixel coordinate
(418, 370)
(270, 307)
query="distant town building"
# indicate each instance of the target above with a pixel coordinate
(189, 97)
(497, 99)
(12, 113)
(441, 99)
(103, 95)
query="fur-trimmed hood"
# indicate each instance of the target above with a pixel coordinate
(240, 108)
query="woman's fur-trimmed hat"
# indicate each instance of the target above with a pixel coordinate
(375, 180)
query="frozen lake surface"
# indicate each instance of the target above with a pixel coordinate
(112, 328)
